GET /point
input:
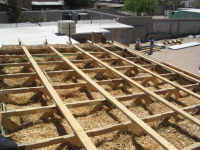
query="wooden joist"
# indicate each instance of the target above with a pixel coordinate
(82, 103)
(72, 85)
(78, 130)
(15, 75)
(195, 146)
(49, 54)
(157, 62)
(116, 103)
(100, 131)
(157, 75)
(194, 76)
(58, 62)
(40, 50)
(119, 76)
(134, 83)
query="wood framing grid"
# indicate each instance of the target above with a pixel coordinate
(181, 112)
(148, 92)
(115, 102)
(87, 143)
(156, 62)
(83, 136)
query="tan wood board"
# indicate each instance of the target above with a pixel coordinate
(85, 140)
(120, 106)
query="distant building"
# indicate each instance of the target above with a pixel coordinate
(187, 3)
(22, 4)
(185, 14)
(26, 4)
(109, 4)
(3, 5)
(100, 5)
(47, 4)
(111, 1)
(3, 1)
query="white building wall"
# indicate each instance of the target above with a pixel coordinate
(3, 1)
(188, 3)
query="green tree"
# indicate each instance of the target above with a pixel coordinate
(14, 11)
(129, 5)
(139, 6)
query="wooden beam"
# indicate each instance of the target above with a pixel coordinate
(157, 75)
(2, 110)
(33, 110)
(195, 146)
(58, 62)
(39, 49)
(116, 103)
(85, 140)
(61, 71)
(157, 62)
(183, 71)
(49, 54)
(100, 131)
(28, 64)
(134, 83)
(67, 86)
(32, 74)
(33, 51)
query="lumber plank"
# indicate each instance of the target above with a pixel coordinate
(134, 83)
(2, 110)
(100, 131)
(35, 49)
(183, 71)
(28, 64)
(66, 71)
(78, 104)
(72, 85)
(195, 146)
(157, 62)
(115, 102)
(85, 140)
(48, 54)
(158, 76)
(58, 62)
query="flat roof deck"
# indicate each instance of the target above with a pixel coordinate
(186, 59)
(36, 34)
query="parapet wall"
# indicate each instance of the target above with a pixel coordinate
(3, 17)
(145, 27)
(177, 26)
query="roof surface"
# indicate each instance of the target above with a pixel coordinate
(192, 10)
(48, 2)
(32, 34)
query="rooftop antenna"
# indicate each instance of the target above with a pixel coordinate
(91, 19)
(46, 41)
(20, 42)
(113, 35)
(92, 37)
(70, 29)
